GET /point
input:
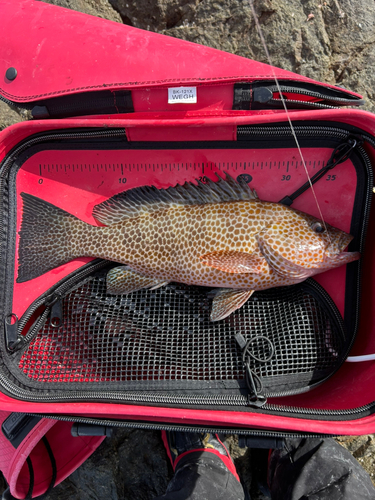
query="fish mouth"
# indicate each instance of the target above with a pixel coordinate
(344, 241)
(338, 244)
(335, 255)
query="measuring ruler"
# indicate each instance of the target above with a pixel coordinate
(79, 179)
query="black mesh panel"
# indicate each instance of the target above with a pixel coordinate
(162, 339)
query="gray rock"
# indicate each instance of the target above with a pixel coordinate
(331, 41)
(98, 8)
(8, 116)
(131, 465)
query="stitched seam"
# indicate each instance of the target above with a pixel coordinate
(226, 79)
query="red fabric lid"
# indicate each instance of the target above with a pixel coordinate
(57, 51)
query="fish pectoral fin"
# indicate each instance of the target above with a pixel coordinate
(235, 262)
(228, 300)
(122, 280)
(282, 266)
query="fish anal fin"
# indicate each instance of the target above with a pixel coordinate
(236, 262)
(228, 300)
(122, 280)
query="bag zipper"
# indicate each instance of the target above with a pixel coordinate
(155, 426)
(335, 101)
(260, 95)
(49, 299)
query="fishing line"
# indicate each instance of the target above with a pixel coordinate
(259, 29)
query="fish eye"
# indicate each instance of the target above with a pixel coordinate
(318, 227)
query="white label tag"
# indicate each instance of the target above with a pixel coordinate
(182, 94)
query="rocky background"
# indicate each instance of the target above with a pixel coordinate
(332, 41)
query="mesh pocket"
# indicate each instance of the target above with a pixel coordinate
(163, 340)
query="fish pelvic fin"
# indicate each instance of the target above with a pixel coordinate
(45, 237)
(122, 280)
(228, 300)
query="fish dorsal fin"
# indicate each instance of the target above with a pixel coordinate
(148, 199)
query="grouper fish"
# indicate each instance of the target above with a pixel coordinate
(214, 234)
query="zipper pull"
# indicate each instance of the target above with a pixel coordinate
(255, 397)
(13, 340)
(54, 303)
(262, 95)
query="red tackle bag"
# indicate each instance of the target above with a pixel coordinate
(113, 108)
(38, 453)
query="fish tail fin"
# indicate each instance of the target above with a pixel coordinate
(45, 238)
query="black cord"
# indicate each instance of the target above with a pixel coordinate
(29, 495)
(31, 473)
(253, 381)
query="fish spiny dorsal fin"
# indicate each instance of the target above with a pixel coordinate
(148, 199)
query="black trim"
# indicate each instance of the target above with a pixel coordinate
(242, 96)
(51, 456)
(17, 426)
(103, 102)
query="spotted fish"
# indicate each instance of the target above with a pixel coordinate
(214, 234)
